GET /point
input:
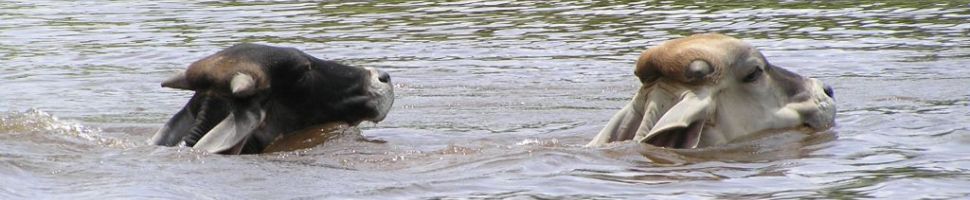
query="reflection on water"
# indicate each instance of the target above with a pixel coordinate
(495, 99)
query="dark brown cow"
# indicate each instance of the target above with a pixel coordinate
(248, 95)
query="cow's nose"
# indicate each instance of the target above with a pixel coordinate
(828, 91)
(384, 77)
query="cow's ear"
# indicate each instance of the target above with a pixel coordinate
(179, 81)
(231, 134)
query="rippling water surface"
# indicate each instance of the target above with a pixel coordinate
(494, 99)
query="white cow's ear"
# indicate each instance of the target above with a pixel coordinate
(179, 81)
(688, 113)
(624, 124)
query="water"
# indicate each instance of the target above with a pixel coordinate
(494, 99)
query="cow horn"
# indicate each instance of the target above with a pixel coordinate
(179, 81)
(698, 69)
(242, 85)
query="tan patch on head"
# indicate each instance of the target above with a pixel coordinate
(671, 58)
(215, 72)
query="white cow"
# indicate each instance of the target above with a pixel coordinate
(711, 89)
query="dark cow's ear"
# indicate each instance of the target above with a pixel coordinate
(178, 81)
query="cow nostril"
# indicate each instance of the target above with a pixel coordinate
(828, 91)
(384, 77)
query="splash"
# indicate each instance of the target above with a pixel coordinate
(539, 142)
(35, 121)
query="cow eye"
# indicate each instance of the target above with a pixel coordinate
(753, 76)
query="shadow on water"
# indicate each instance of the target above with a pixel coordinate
(495, 99)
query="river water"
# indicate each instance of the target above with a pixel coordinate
(494, 99)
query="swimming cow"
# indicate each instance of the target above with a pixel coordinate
(711, 89)
(248, 95)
